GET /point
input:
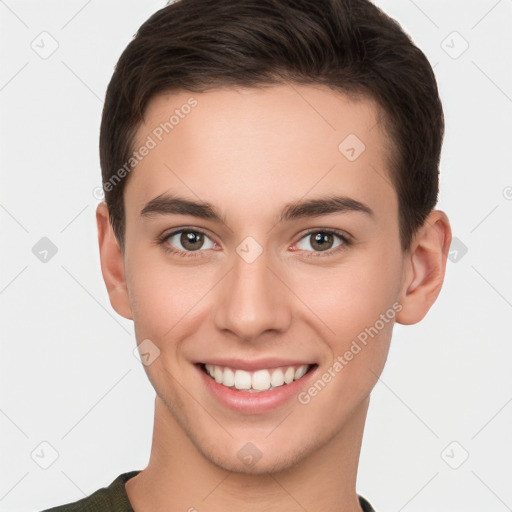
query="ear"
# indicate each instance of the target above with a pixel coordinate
(112, 263)
(425, 265)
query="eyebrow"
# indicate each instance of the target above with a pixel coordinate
(175, 205)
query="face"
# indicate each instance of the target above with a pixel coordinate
(255, 284)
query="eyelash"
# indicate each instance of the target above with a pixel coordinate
(312, 254)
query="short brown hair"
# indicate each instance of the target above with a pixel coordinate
(348, 45)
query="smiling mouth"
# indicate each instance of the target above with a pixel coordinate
(258, 381)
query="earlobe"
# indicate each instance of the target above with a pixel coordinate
(112, 263)
(425, 268)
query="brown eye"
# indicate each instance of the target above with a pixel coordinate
(191, 240)
(188, 241)
(322, 241)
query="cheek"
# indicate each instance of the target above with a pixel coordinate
(165, 298)
(359, 308)
(351, 297)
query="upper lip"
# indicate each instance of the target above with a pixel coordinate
(255, 365)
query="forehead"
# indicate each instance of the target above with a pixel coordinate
(261, 146)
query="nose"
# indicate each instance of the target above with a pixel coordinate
(253, 299)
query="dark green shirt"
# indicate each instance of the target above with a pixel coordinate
(114, 499)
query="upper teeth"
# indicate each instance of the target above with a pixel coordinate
(260, 380)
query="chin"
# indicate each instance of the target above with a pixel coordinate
(270, 459)
(265, 465)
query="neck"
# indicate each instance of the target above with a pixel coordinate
(179, 477)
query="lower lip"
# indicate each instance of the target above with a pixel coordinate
(258, 402)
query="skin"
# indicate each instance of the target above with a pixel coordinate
(249, 152)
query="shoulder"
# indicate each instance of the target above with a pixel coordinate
(365, 505)
(107, 499)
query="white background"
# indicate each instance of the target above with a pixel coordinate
(68, 375)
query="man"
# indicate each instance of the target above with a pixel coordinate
(270, 171)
